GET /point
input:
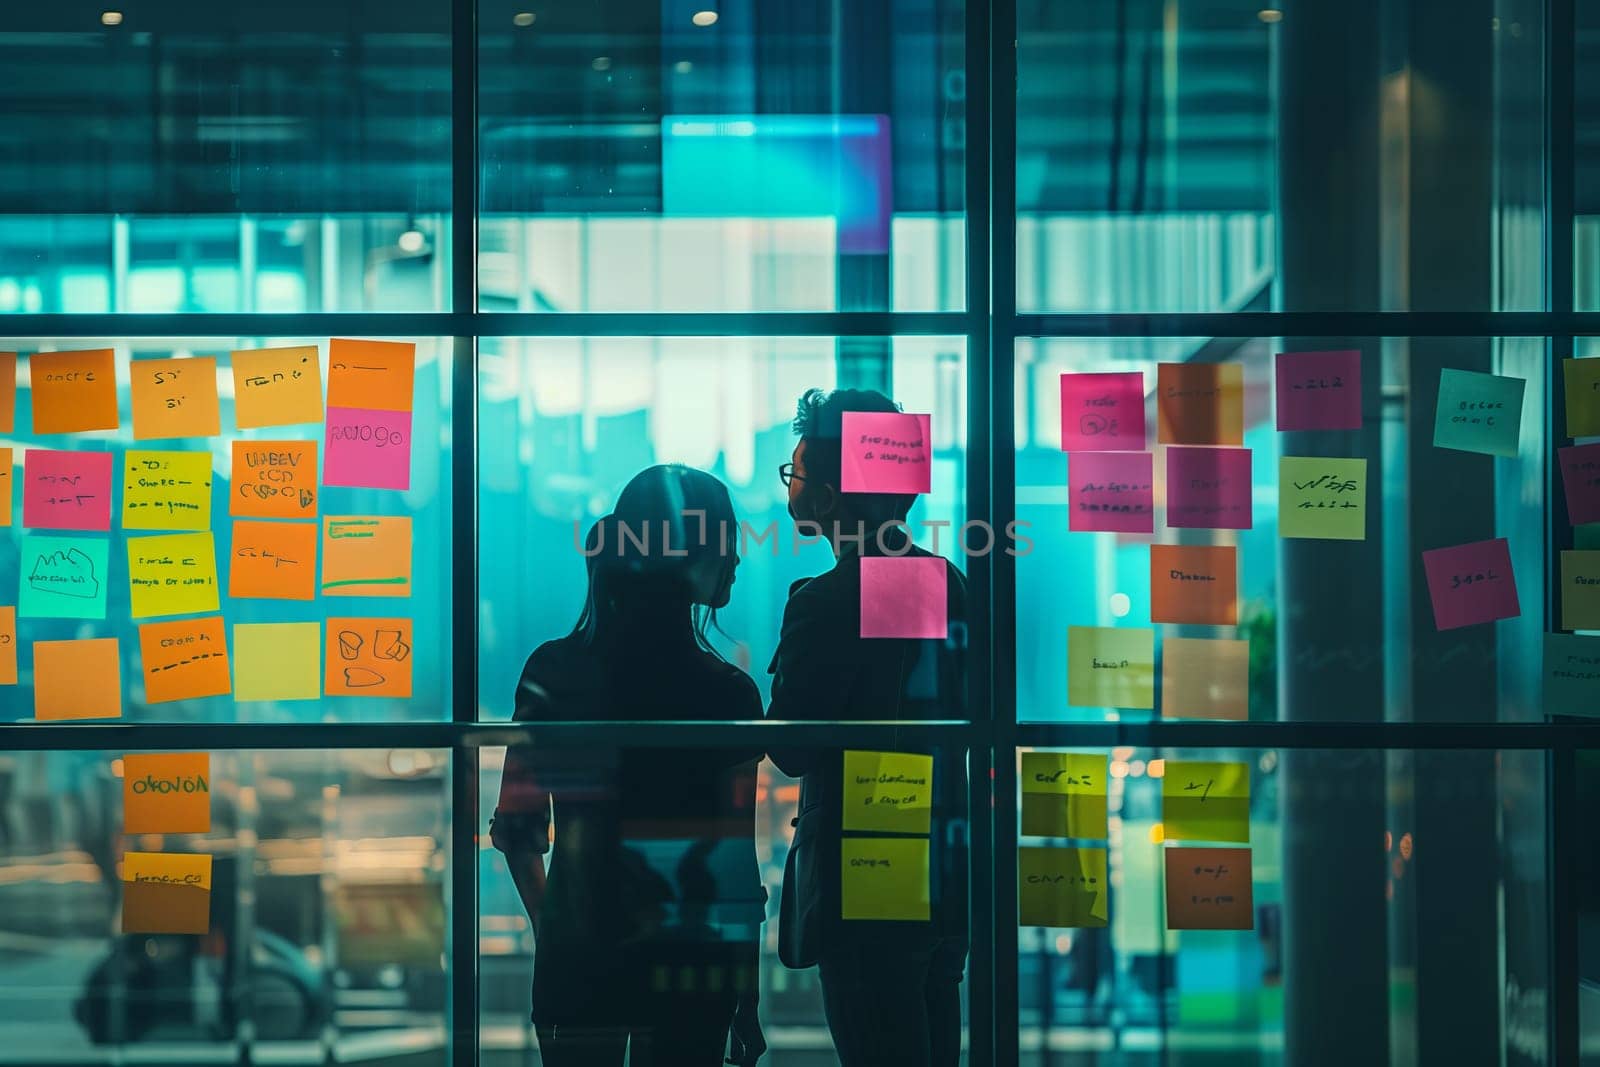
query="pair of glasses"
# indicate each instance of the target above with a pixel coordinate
(786, 474)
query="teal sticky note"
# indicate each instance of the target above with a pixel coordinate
(1478, 412)
(63, 577)
(1571, 675)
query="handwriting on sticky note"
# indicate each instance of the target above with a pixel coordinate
(166, 893)
(166, 490)
(1110, 667)
(1205, 679)
(888, 791)
(8, 645)
(904, 596)
(277, 660)
(884, 878)
(273, 560)
(172, 574)
(274, 480)
(366, 555)
(277, 387)
(1580, 477)
(66, 490)
(369, 657)
(1200, 403)
(1571, 675)
(1478, 412)
(1580, 589)
(1194, 584)
(1062, 887)
(6, 483)
(73, 392)
(1209, 889)
(886, 452)
(1064, 794)
(174, 398)
(1322, 498)
(184, 659)
(1470, 584)
(371, 374)
(1205, 801)
(1111, 492)
(1209, 488)
(1102, 412)
(8, 392)
(77, 679)
(63, 578)
(166, 793)
(368, 449)
(1582, 379)
(1319, 390)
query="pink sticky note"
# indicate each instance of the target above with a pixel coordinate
(1102, 412)
(1319, 390)
(1580, 473)
(368, 449)
(66, 490)
(1471, 583)
(886, 452)
(1208, 488)
(903, 596)
(1112, 492)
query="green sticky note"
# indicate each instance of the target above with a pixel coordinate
(1571, 675)
(1582, 377)
(1062, 887)
(884, 878)
(1322, 498)
(888, 791)
(63, 577)
(1111, 667)
(1478, 412)
(1580, 590)
(1064, 794)
(1203, 801)
(277, 661)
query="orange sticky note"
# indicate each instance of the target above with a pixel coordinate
(1200, 403)
(273, 560)
(184, 659)
(166, 793)
(166, 893)
(174, 398)
(1195, 584)
(8, 392)
(366, 555)
(8, 645)
(77, 679)
(6, 483)
(1209, 889)
(277, 387)
(369, 658)
(73, 391)
(274, 480)
(371, 374)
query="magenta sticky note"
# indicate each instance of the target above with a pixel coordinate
(1208, 488)
(1471, 583)
(903, 596)
(1102, 412)
(368, 449)
(1111, 492)
(1319, 390)
(66, 490)
(886, 452)
(1580, 474)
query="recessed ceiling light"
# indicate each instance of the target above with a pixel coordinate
(1270, 14)
(704, 18)
(601, 63)
(412, 241)
(683, 66)
(523, 18)
(110, 18)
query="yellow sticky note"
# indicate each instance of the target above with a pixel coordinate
(1583, 396)
(174, 398)
(77, 679)
(1062, 887)
(8, 645)
(1580, 590)
(369, 657)
(884, 878)
(166, 793)
(1063, 794)
(890, 791)
(277, 387)
(166, 893)
(1322, 498)
(73, 391)
(277, 660)
(1204, 801)
(366, 555)
(1111, 667)
(1205, 679)
(166, 490)
(7, 481)
(172, 574)
(183, 659)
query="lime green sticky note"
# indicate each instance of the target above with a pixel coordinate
(1111, 667)
(277, 660)
(884, 878)
(1580, 590)
(1322, 498)
(1064, 794)
(166, 490)
(1062, 887)
(1583, 396)
(172, 574)
(1478, 412)
(1203, 801)
(891, 791)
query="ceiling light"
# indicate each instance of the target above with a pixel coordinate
(523, 18)
(412, 240)
(110, 18)
(601, 63)
(1270, 14)
(683, 66)
(704, 18)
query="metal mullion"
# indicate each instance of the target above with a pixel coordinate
(1312, 324)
